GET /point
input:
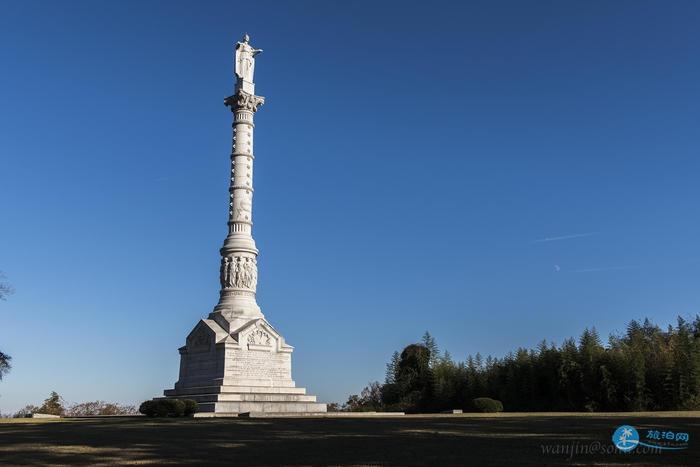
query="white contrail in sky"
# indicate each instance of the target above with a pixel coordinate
(564, 237)
(612, 268)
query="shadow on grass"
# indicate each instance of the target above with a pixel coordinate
(406, 441)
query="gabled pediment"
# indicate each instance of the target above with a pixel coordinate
(204, 334)
(258, 334)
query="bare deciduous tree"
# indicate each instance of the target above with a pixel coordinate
(5, 288)
(4, 364)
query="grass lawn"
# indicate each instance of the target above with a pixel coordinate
(505, 439)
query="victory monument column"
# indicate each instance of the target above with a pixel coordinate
(235, 361)
(239, 254)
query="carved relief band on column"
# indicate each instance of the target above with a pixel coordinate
(238, 272)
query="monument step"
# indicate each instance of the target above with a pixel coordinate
(281, 414)
(271, 407)
(249, 397)
(181, 392)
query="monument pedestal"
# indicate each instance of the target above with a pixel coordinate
(246, 370)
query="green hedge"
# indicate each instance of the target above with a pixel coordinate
(168, 407)
(487, 405)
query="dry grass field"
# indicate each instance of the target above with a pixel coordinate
(505, 439)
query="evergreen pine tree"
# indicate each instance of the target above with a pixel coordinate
(392, 368)
(52, 405)
(430, 343)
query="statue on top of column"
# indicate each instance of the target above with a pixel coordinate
(245, 59)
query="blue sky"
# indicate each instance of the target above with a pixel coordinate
(495, 172)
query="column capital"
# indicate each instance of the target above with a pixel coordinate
(242, 100)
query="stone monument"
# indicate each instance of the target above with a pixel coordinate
(234, 361)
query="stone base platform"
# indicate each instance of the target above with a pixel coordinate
(299, 414)
(234, 400)
(323, 415)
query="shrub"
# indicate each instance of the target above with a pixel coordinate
(190, 407)
(168, 407)
(176, 407)
(161, 408)
(369, 400)
(334, 407)
(487, 405)
(148, 408)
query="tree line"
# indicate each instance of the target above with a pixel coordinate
(645, 368)
(56, 405)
